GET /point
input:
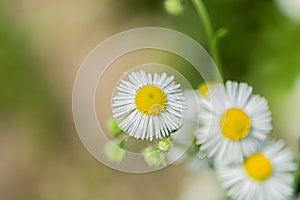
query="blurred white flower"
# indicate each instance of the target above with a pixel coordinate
(287, 111)
(262, 175)
(201, 186)
(232, 122)
(204, 87)
(291, 8)
(196, 164)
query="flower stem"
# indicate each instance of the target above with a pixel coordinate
(208, 31)
(124, 140)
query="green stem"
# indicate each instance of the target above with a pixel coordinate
(208, 31)
(124, 140)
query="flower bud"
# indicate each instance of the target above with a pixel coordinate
(174, 7)
(114, 152)
(163, 145)
(153, 157)
(113, 127)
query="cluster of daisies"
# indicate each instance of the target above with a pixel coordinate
(232, 128)
(233, 132)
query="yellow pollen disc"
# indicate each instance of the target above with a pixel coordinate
(235, 124)
(258, 166)
(203, 88)
(150, 100)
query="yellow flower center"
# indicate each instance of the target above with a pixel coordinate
(258, 166)
(203, 88)
(235, 124)
(150, 100)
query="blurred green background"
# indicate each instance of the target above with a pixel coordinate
(42, 44)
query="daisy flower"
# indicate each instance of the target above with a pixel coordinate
(263, 175)
(203, 89)
(232, 122)
(148, 105)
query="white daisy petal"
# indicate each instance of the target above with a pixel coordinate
(244, 93)
(144, 78)
(167, 82)
(162, 79)
(128, 85)
(150, 129)
(156, 77)
(231, 91)
(135, 80)
(149, 76)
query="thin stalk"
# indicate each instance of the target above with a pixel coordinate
(208, 32)
(124, 140)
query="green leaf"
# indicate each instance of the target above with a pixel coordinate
(220, 33)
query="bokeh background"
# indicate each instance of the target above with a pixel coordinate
(42, 44)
